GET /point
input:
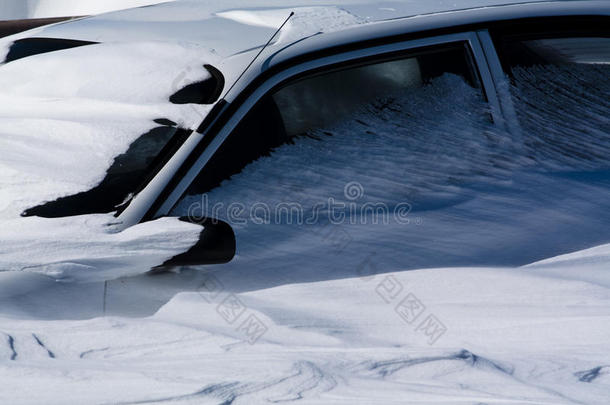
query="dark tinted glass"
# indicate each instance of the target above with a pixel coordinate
(323, 99)
(560, 84)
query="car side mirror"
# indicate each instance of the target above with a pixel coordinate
(216, 245)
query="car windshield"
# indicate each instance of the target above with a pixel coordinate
(84, 125)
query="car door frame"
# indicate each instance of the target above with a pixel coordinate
(158, 198)
(496, 66)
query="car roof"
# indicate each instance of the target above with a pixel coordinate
(235, 33)
(229, 28)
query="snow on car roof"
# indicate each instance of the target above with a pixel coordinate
(228, 27)
(235, 33)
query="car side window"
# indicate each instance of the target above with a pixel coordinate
(560, 85)
(557, 51)
(322, 100)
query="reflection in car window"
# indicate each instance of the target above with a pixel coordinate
(571, 50)
(326, 99)
(561, 92)
(329, 98)
(425, 142)
(480, 195)
(557, 51)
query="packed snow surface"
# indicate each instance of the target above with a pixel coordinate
(306, 21)
(506, 336)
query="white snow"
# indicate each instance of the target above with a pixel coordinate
(304, 314)
(64, 117)
(472, 298)
(305, 22)
(84, 248)
(512, 336)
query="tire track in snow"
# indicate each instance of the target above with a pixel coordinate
(389, 367)
(88, 352)
(311, 378)
(10, 340)
(306, 378)
(590, 375)
(41, 344)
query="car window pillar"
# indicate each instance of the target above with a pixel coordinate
(501, 84)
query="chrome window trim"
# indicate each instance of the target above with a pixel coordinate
(501, 84)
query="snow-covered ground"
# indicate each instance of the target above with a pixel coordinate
(535, 335)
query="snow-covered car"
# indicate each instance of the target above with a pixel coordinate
(416, 195)
(108, 122)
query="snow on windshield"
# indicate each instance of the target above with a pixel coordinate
(64, 117)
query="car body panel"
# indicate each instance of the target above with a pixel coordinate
(203, 23)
